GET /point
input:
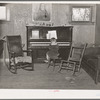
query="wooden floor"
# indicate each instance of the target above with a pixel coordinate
(44, 78)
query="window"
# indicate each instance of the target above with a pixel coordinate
(81, 14)
(3, 15)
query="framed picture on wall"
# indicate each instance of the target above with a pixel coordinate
(81, 14)
(41, 12)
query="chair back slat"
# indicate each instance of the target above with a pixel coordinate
(77, 52)
(14, 44)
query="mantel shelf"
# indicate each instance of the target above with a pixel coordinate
(47, 26)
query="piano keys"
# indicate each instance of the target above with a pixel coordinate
(46, 44)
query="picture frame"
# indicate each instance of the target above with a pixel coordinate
(81, 14)
(44, 93)
(41, 12)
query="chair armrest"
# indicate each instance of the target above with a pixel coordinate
(65, 61)
(31, 53)
(12, 54)
(27, 50)
(23, 45)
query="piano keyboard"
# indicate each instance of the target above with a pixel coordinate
(46, 44)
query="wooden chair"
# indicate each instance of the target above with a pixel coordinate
(17, 58)
(54, 62)
(53, 57)
(75, 58)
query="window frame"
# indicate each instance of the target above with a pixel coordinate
(5, 17)
(81, 6)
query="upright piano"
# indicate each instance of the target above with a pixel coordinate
(38, 39)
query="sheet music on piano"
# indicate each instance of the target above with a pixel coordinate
(52, 34)
(35, 34)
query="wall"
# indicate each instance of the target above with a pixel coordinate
(81, 32)
(21, 14)
(97, 32)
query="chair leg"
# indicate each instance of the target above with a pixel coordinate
(53, 65)
(74, 69)
(52, 62)
(15, 69)
(73, 73)
(79, 68)
(49, 63)
(32, 67)
(12, 68)
(96, 79)
(60, 67)
(32, 61)
(9, 66)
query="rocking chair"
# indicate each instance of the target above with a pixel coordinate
(75, 58)
(17, 59)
